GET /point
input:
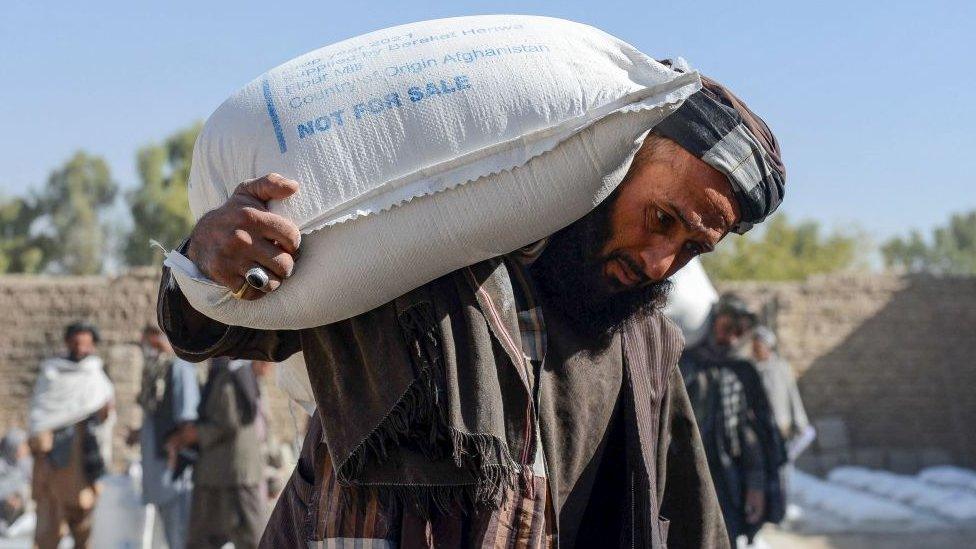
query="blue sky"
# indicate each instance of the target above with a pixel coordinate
(873, 102)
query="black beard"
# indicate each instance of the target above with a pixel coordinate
(569, 275)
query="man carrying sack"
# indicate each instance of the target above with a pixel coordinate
(532, 398)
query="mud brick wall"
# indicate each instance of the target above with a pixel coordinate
(33, 313)
(887, 365)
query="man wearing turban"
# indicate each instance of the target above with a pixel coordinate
(532, 398)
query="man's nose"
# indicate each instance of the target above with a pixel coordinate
(658, 261)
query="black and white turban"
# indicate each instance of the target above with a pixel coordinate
(716, 126)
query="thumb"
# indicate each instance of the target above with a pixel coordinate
(269, 187)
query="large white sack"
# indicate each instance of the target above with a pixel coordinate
(425, 148)
(949, 476)
(690, 301)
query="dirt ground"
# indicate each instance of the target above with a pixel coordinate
(778, 539)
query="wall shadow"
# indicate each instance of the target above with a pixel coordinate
(902, 383)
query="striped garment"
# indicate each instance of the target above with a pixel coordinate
(368, 522)
(319, 509)
(733, 399)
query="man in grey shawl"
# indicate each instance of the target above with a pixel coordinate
(169, 396)
(531, 399)
(784, 395)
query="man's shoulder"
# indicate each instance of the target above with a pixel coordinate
(669, 328)
(489, 278)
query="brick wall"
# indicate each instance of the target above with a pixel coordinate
(35, 310)
(887, 364)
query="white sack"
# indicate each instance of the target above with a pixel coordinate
(425, 148)
(67, 392)
(690, 301)
(850, 505)
(950, 477)
(950, 503)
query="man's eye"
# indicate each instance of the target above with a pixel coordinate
(663, 218)
(694, 248)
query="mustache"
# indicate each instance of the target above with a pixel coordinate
(632, 265)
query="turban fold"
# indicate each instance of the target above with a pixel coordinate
(716, 126)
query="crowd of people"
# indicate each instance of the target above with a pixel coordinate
(209, 464)
(204, 436)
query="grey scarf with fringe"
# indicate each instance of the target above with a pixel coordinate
(428, 397)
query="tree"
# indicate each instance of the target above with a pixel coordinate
(20, 250)
(782, 251)
(159, 206)
(952, 249)
(71, 203)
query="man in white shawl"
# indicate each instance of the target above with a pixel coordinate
(70, 438)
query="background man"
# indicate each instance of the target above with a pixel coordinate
(228, 502)
(524, 392)
(784, 396)
(70, 438)
(734, 420)
(169, 397)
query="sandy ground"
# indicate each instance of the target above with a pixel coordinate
(778, 539)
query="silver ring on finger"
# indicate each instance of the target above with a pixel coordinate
(257, 278)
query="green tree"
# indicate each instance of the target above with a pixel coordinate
(952, 249)
(782, 251)
(72, 202)
(159, 206)
(21, 251)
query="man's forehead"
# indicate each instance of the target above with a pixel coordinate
(719, 212)
(709, 192)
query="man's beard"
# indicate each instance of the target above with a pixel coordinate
(569, 275)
